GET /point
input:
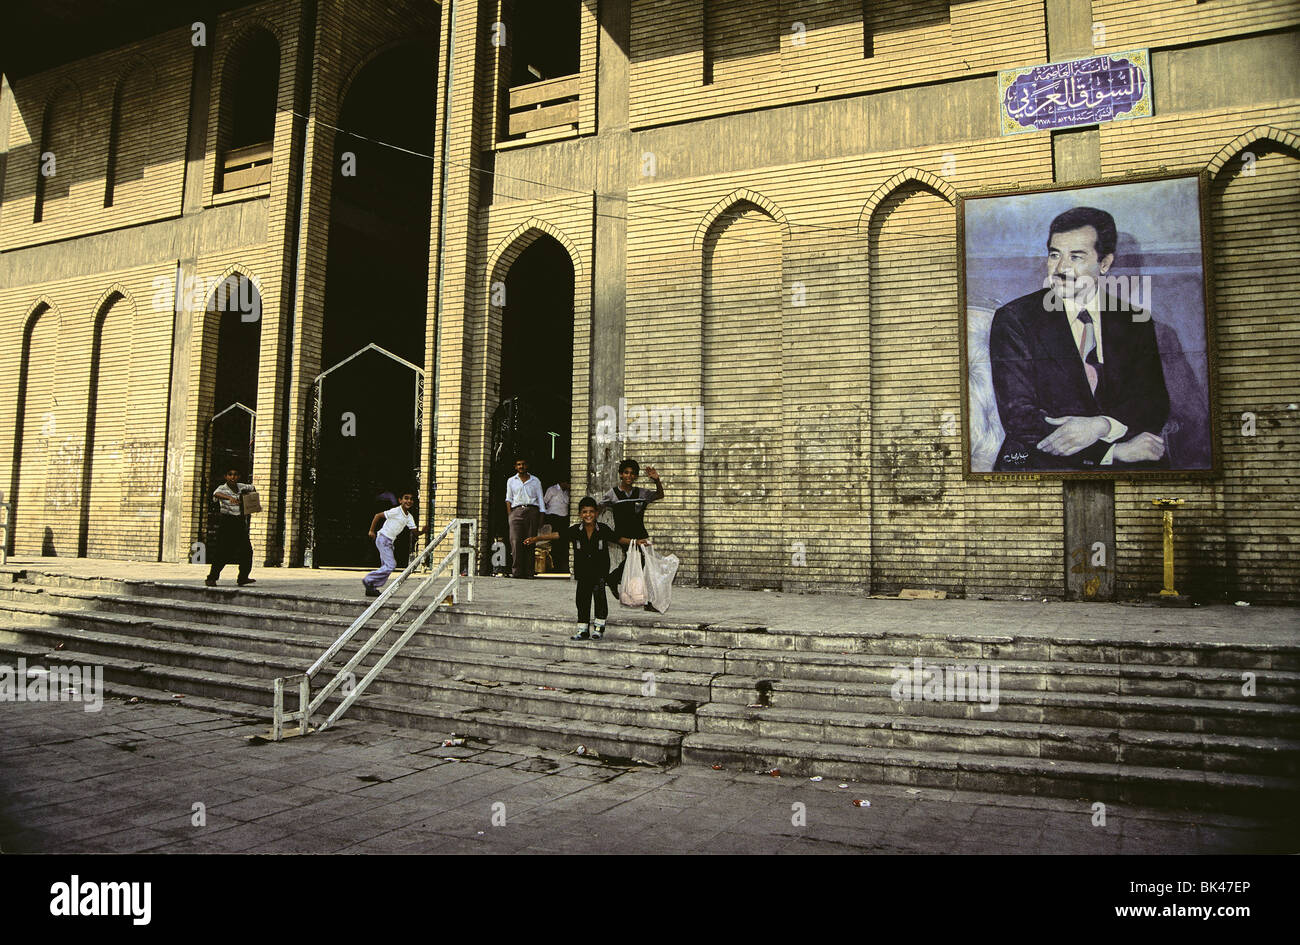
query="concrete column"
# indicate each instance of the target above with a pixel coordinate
(1089, 504)
(177, 473)
(615, 168)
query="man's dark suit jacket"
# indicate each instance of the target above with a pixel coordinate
(1037, 373)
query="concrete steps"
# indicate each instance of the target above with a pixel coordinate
(1112, 716)
(1086, 781)
(559, 719)
(1238, 716)
(1003, 737)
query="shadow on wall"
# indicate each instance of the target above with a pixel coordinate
(47, 545)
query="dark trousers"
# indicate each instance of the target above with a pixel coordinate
(591, 587)
(231, 546)
(523, 524)
(559, 549)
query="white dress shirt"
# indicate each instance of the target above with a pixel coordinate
(520, 493)
(557, 501)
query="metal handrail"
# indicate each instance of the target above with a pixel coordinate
(4, 532)
(460, 557)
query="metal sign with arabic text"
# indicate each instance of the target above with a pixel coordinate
(1075, 92)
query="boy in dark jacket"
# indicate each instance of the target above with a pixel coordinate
(589, 543)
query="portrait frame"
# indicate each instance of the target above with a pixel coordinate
(1164, 257)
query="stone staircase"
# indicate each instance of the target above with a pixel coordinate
(1110, 719)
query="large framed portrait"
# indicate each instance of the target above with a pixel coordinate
(1087, 336)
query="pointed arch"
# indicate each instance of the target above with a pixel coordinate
(412, 41)
(234, 269)
(1279, 136)
(907, 175)
(22, 495)
(39, 306)
(107, 408)
(59, 127)
(111, 295)
(519, 239)
(220, 299)
(246, 31)
(250, 85)
(131, 127)
(543, 315)
(741, 255)
(740, 195)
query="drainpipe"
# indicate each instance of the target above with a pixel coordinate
(307, 56)
(441, 264)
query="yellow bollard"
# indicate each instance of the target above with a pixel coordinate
(1167, 593)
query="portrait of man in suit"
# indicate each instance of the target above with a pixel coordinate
(1076, 369)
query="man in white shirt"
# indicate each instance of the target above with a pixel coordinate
(394, 522)
(555, 504)
(524, 509)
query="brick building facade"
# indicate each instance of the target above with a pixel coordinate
(757, 204)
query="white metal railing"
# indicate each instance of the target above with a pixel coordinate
(5, 509)
(455, 570)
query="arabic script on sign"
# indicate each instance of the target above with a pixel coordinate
(1078, 92)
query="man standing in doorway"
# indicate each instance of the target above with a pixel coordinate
(524, 510)
(628, 505)
(556, 508)
(230, 543)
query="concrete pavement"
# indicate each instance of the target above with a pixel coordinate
(167, 778)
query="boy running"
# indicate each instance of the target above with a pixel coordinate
(395, 521)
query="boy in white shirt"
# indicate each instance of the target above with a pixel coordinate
(394, 521)
(231, 544)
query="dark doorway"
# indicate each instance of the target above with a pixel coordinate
(239, 342)
(366, 457)
(376, 293)
(236, 308)
(535, 415)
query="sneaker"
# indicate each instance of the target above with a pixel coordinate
(597, 632)
(581, 635)
(242, 581)
(370, 591)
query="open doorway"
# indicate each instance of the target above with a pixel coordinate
(535, 414)
(233, 409)
(376, 297)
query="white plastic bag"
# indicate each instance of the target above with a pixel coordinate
(659, 573)
(631, 591)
